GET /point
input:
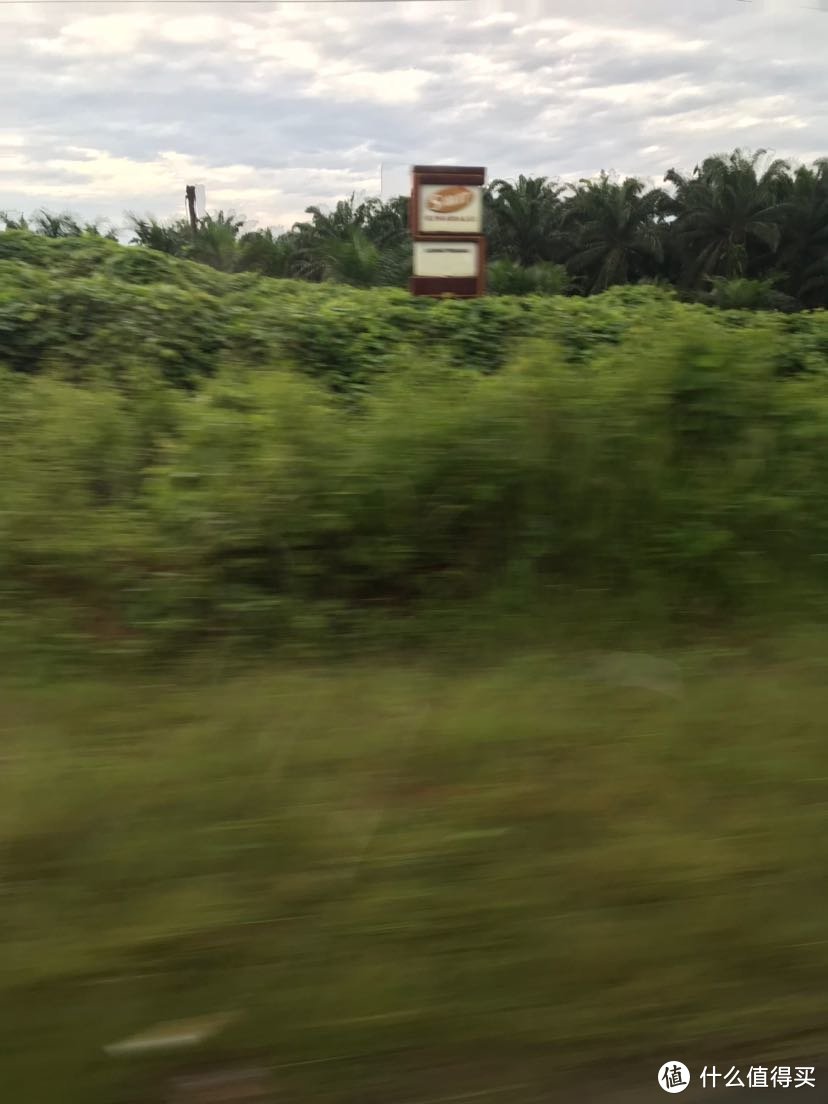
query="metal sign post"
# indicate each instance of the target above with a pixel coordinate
(446, 217)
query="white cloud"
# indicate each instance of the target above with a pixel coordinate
(637, 41)
(738, 116)
(99, 36)
(496, 19)
(274, 108)
(644, 93)
(198, 30)
(389, 86)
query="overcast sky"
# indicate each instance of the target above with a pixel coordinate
(114, 107)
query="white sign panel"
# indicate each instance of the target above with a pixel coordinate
(445, 258)
(450, 209)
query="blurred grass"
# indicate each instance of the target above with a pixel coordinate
(413, 874)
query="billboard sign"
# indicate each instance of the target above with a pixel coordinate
(446, 215)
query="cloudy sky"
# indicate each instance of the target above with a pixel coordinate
(115, 107)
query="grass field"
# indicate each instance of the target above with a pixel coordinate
(414, 881)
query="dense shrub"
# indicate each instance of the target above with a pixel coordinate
(509, 278)
(169, 475)
(84, 303)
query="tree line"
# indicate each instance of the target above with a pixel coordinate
(740, 230)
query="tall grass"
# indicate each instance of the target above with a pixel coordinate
(415, 883)
(677, 463)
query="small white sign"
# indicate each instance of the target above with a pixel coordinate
(445, 258)
(451, 209)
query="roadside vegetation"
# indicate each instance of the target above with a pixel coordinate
(440, 685)
(192, 459)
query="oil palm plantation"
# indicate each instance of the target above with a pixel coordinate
(803, 246)
(362, 243)
(327, 235)
(728, 215)
(56, 226)
(49, 225)
(523, 220)
(386, 224)
(164, 237)
(617, 232)
(736, 231)
(388, 230)
(216, 241)
(268, 253)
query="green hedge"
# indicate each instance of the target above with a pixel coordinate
(90, 305)
(168, 475)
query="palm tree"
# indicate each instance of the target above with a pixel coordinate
(803, 246)
(365, 243)
(315, 240)
(386, 227)
(55, 226)
(523, 219)
(338, 223)
(387, 223)
(48, 225)
(170, 238)
(726, 209)
(215, 242)
(11, 223)
(93, 230)
(617, 231)
(268, 253)
(352, 259)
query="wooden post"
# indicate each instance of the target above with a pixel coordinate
(190, 194)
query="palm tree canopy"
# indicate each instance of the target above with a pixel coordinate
(740, 228)
(523, 218)
(728, 205)
(617, 230)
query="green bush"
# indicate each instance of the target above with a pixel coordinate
(179, 464)
(509, 278)
(87, 302)
(742, 294)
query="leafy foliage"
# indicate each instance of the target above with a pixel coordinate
(57, 226)
(544, 278)
(524, 220)
(188, 454)
(728, 214)
(619, 238)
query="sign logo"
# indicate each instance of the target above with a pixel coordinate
(454, 197)
(674, 1077)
